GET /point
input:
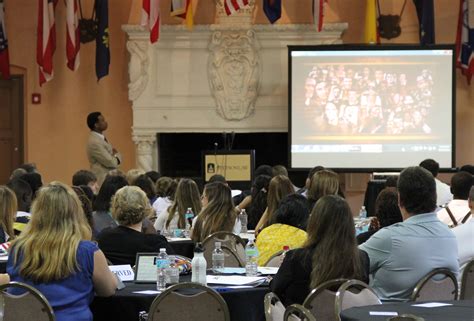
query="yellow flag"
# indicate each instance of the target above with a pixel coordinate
(189, 15)
(370, 33)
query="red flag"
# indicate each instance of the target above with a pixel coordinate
(4, 59)
(318, 13)
(465, 39)
(72, 35)
(46, 42)
(151, 18)
(232, 6)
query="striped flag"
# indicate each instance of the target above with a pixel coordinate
(232, 6)
(370, 33)
(46, 39)
(183, 9)
(151, 18)
(465, 39)
(72, 35)
(272, 9)
(318, 13)
(4, 59)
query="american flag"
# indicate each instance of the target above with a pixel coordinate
(151, 18)
(232, 6)
(72, 35)
(46, 41)
(4, 59)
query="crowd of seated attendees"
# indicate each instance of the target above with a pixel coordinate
(132, 213)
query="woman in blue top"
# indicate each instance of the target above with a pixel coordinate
(52, 255)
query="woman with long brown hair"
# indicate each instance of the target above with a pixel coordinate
(218, 212)
(280, 186)
(330, 252)
(323, 182)
(8, 208)
(187, 196)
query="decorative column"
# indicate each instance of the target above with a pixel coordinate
(146, 151)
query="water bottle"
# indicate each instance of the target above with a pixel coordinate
(188, 216)
(217, 258)
(173, 271)
(362, 213)
(251, 254)
(199, 266)
(162, 265)
(286, 248)
(243, 221)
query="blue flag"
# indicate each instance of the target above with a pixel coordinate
(425, 13)
(102, 53)
(272, 9)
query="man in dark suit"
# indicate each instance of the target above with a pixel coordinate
(102, 156)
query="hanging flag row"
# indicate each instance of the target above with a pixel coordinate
(183, 9)
(4, 59)
(46, 38)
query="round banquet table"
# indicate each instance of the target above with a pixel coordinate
(244, 304)
(458, 311)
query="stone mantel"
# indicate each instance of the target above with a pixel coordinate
(215, 78)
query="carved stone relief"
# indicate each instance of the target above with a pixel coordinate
(138, 68)
(234, 71)
(144, 148)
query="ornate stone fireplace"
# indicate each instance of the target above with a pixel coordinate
(229, 76)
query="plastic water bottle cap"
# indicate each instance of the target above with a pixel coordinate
(286, 248)
(218, 244)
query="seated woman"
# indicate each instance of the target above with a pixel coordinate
(288, 226)
(218, 213)
(187, 196)
(257, 200)
(329, 253)
(121, 244)
(101, 216)
(53, 256)
(279, 187)
(165, 191)
(8, 208)
(387, 213)
(323, 182)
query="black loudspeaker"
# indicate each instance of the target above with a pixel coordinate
(389, 26)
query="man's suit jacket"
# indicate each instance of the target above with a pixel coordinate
(101, 157)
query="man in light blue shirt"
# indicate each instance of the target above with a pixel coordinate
(401, 254)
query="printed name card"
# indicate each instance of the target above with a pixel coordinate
(124, 272)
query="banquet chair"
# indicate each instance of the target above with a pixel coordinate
(297, 312)
(274, 309)
(30, 305)
(189, 301)
(354, 293)
(274, 260)
(467, 282)
(232, 245)
(321, 301)
(439, 284)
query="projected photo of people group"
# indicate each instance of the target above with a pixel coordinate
(369, 100)
(394, 103)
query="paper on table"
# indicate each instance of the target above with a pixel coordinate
(176, 239)
(267, 270)
(233, 279)
(147, 292)
(383, 313)
(431, 305)
(231, 270)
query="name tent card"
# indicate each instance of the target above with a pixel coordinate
(124, 272)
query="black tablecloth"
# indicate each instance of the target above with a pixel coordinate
(374, 187)
(244, 304)
(458, 311)
(184, 248)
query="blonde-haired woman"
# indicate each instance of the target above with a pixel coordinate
(52, 255)
(187, 196)
(322, 183)
(121, 244)
(280, 186)
(8, 208)
(218, 213)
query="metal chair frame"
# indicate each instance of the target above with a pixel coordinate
(308, 302)
(345, 287)
(222, 236)
(268, 302)
(468, 269)
(419, 286)
(189, 285)
(46, 307)
(274, 256)
(300, 311)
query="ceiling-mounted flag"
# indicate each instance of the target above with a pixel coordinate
(425, 14)
(318, 13)
(183, 9)
(46, 39)
(465, 39)
(272, 9)
(102, 52)
(371, 33)
(72, 35)
(232, 6)
(4, 59)
(151, 18)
